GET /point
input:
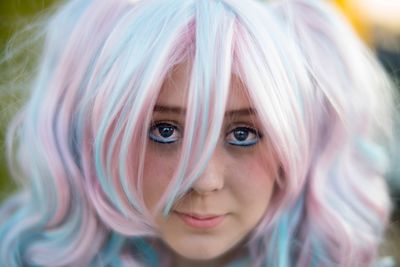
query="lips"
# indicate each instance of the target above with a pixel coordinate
(201, 221)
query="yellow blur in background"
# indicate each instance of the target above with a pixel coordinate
(371, 16)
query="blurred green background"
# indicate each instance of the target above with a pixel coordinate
(15, 15)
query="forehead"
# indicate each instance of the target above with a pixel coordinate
(175, 88)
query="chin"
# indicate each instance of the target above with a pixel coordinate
(200, 255)
(200, 252)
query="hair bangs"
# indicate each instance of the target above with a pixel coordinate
(121, 125)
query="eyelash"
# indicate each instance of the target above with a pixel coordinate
(174, 134)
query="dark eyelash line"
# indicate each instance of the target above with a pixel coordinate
(251, 129)
(174, 125)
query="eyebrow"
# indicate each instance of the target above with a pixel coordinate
(179, 110)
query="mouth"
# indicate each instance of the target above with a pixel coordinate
(201, 221)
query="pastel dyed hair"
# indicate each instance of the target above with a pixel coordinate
(77, 146)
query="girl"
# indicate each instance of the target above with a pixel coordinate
(200, 133)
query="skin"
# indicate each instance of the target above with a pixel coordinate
(237, 183)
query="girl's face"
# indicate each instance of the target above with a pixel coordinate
(232, 194)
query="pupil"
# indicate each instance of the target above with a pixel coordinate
(241, 135)
(166, 131)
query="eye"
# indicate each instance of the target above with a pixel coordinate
(243, 136)
(164, 133)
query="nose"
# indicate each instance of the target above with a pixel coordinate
(212, 179)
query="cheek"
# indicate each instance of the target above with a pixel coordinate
(159, 166)
(253, 184)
